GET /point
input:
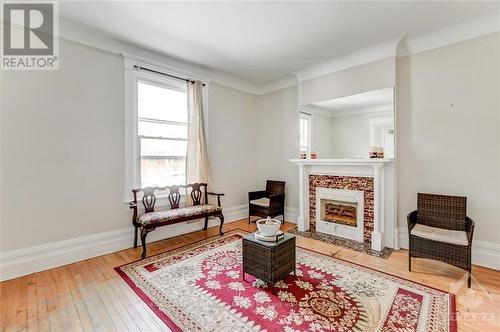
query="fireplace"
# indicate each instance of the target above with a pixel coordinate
(338, 212)
(372, 178)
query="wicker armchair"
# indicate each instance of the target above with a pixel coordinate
(269, 202)
(439, 229)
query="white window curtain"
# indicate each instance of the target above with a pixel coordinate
(197, 163)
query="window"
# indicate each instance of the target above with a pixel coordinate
(305, 133)
(162, 130)
(382, 134)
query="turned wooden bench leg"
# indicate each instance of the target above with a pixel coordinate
(221, 217)
(144, 233)
(135, 236)
(206, 224)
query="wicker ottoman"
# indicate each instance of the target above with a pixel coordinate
(268, 261)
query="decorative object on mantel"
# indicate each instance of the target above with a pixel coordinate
(439, 229)
(303, 155)
(314, 155)
(364, 247)
(327, 293)
(376, 152)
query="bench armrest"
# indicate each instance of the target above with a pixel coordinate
(256, 195)
(218, 197)
(216, 194)
(133, 206)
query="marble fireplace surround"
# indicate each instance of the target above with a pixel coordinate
(375, 177)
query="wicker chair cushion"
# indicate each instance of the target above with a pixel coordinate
(190, 211)
(261, 202)
(440, 234)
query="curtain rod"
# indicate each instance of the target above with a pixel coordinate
(165, 74)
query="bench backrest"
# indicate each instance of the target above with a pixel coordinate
(442, 211)
(197, 191)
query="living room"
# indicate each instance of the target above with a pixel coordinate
(279, 166)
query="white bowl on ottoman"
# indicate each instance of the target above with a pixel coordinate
(269, 227)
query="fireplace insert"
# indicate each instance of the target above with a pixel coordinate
(338, 212)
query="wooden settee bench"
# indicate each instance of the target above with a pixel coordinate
(151, 219)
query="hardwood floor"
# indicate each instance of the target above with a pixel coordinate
(90, 296)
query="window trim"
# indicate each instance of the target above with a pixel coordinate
(308, 116)
(164, 84)
(132, 158)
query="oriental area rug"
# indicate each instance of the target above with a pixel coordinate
(200, 287)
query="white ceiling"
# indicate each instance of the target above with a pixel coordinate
(375, 101)
(264, 41)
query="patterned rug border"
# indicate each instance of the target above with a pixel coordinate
(162, 315)
(226, 233)
(345, 243)
(173, 326)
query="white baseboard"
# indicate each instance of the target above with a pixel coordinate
(25, 261)
(291, 214)
(484, 253)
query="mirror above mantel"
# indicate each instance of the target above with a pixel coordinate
(350, 126)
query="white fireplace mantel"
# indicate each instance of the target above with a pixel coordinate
(343, 162)
(384, 229)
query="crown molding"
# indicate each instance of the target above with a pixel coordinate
(311, 109)
(276, 85)
(400, 47)
(450, 35)
(108, 44)
(383, 110)
(376, 111)
(356, 58)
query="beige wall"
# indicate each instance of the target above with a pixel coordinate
(62, 146)
(350, 136)
(278, 140)
(451, 149)
(62, 149)
(62, 141)
(439, 149)
(341, 136)
(321, 136)
(374, 75)
(232, 144)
